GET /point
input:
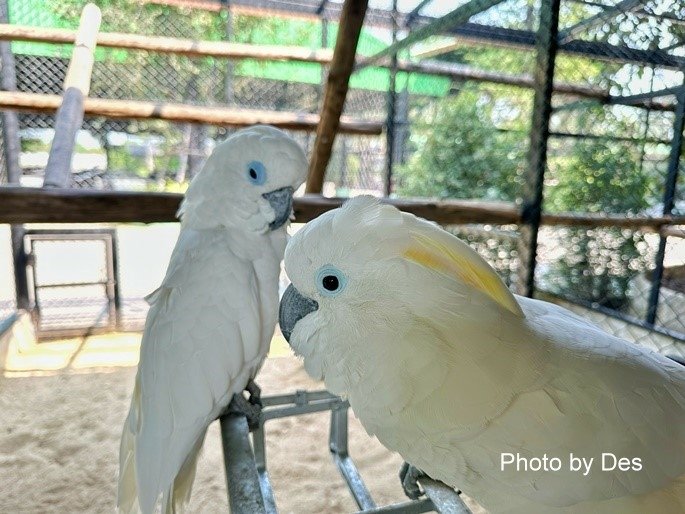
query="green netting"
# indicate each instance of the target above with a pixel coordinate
(40, 13)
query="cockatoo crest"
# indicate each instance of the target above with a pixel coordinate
(451, 257)
(405, 237)
(380, 258)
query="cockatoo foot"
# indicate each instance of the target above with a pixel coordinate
(409, 476)
(250, 408)
(255, 393)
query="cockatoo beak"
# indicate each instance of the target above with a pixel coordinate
(293, 308)
(281, 201)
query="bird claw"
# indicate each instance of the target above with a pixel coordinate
(250, 407)
(409, 476)
(255, 393)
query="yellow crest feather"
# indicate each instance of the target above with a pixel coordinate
(459, 261)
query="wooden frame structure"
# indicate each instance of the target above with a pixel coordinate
(62, 204)
(56, 203)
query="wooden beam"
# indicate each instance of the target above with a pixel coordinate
(445, 212)
(641, 223)
(673, 231)
(134, 109)
(89, 206)
(69, 116)
(35, 205)
(170, 45)
(337, 84)
(237, 51)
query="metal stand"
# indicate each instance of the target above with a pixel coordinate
(247, 477)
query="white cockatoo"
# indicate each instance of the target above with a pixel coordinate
(210, 323)
(445, 366)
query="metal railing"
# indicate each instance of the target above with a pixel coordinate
(247, 477)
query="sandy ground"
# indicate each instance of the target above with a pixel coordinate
(62, 405)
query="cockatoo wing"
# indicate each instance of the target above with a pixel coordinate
(203, 339)
(601, 395)
(538, 381)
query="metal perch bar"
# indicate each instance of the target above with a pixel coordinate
(249, 487)
(242, 480)
(338, 445)
(445, 499)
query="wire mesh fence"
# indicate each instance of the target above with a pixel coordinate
(460, 127)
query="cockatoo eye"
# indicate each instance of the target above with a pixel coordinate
(256, 173)
(330, 281)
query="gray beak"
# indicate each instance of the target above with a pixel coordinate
(293, 308)
(281, 201)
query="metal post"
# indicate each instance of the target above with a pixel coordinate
(392, 97)
(338, 446)
(12, 148)
(322, 83)
(117, 283)
(228, 85)
(546, 47)
(259, 448)
(242, 478)
(445, 499)
(324, 44)
(669, 202)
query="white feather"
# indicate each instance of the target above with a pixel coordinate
(443, 371)
(211, 321)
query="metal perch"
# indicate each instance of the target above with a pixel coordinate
(249, 487)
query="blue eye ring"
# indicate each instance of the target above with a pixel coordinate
(330, 281)
(256, 173)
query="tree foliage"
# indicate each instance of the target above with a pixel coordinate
(462, 154)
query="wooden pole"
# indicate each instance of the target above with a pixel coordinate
(34, 205)
(69, 117)
(337, 84)
(135, 109)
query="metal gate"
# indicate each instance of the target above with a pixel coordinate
(73, 274)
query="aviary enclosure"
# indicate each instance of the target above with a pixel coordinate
(546, 133)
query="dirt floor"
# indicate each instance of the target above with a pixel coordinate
(62, 405)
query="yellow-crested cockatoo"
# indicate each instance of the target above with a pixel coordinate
(210, 323)
(445, 366)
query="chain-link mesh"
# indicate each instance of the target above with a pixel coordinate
(460, 133)
(604, 158)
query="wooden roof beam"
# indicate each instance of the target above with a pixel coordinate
(211, 115)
